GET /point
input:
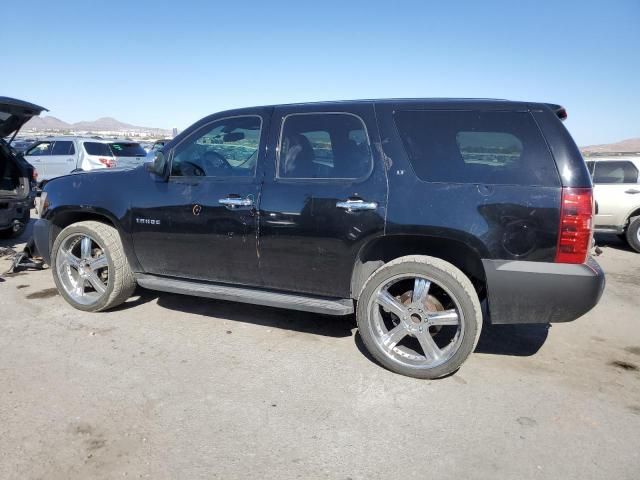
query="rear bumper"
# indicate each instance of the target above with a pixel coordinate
(41, 236)
(540, 292)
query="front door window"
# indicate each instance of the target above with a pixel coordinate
(225, 148)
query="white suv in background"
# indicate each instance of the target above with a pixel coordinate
(617, 195)
(54, 157)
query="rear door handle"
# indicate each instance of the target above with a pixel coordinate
(353, 205)
(236, 202)
(632, 190)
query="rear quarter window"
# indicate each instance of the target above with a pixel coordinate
(494, 148)
(98, 149)
(123, 149)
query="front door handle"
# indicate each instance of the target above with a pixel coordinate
(353, 205)
(632, 190)
(236, 202)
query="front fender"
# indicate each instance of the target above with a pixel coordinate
(101, 195)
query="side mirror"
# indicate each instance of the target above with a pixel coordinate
(156, 163)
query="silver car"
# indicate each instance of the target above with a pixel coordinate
(617, 195)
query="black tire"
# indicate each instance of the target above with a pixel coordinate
(633, 234)
(121, 282)
(7, 233)
(447, 276)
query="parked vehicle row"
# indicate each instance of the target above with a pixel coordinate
(409, 213)
(57, 156)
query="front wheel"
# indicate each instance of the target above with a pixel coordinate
(90, 268)
(419, 316)
(633, 234)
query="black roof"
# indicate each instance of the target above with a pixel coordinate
(419, 103)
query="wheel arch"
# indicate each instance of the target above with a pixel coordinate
(631, 216)
(381, 250)
(64, 217)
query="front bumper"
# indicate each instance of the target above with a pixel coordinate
(41, 237)
(541, 292)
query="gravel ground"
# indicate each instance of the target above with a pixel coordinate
(177, 387)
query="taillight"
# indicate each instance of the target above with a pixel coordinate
(576, 225)
(34, 175)
(107, 162)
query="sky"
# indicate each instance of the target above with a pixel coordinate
(167, 64)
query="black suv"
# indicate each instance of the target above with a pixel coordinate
(409, 212)
(17, 176)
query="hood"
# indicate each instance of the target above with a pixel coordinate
(15, 113)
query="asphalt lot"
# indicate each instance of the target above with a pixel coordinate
(178, 387)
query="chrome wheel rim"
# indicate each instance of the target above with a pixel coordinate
(416, 321)
(82, 268)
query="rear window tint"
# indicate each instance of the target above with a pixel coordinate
(63, 148)
(615, 172)
(121, 149)
(499, 148)
(96, 148)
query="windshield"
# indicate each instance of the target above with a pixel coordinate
(127, 149)
(97, 148)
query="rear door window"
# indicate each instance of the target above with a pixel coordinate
(615, 172)
(486, 147)
(324, 146)
(63, 148)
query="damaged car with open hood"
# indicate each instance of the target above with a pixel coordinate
(17, 190)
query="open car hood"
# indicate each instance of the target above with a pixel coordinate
(15, 113)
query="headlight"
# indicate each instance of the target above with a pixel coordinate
(42, 202)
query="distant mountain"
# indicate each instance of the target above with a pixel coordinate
(106, 123)
(630, 145)
(47, 123)
(101, 124)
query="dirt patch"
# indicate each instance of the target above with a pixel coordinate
(6, 252)
(625, 278)
(635, 409)
(634, 350)
(46, 293)
(20, 287)
(77, 326)
(526, 421)
(630, 367)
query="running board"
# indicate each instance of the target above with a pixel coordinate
(328, 306)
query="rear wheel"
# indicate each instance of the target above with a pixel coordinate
(633, 234)
(419, 316)
(90, 268)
